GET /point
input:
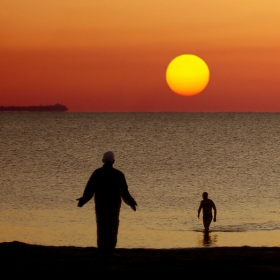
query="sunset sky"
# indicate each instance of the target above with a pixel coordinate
(111, 56)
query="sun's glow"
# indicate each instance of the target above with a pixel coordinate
(187, 74)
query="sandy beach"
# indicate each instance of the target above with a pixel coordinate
(27, 259)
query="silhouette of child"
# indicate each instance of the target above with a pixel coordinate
(207, 204)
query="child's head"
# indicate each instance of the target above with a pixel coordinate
(205, 195)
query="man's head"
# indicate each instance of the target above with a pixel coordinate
(108, 157)
(205, 195)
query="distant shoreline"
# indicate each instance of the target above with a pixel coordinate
(41, 108)
(216, 263)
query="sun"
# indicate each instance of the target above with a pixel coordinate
(187, 75)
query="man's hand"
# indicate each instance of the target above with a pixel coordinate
(198, 216)
(80, 204)
(134, 206)
(214, 220)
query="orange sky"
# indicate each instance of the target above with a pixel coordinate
(112, 55)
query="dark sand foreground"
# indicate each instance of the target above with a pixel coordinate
(219, 262)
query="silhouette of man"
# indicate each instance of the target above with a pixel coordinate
(207, 204)
(109, 187)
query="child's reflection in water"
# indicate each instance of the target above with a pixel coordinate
(209, 239)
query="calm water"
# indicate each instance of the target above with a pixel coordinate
(169, 159)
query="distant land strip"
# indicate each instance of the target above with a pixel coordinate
(41, 108)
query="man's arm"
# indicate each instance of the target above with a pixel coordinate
(88, 192)
(127, 198)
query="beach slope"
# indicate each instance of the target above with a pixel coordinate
(217, 262)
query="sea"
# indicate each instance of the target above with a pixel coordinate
(169, 160)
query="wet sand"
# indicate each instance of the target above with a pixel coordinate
(218, 262)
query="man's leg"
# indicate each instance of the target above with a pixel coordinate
(112, 233)
(107, 232)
